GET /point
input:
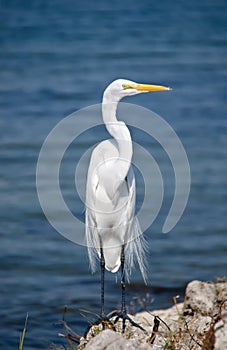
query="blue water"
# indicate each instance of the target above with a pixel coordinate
(57, 57)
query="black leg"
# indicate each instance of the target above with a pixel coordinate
(103, 319)
(123, 306)
(123, 313)
(102, 265)
(106, 320)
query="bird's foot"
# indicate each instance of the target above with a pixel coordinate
(107, 323)
(124, 316)
(104, 321)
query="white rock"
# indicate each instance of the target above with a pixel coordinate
(220, 335)
(110, 340)
(201, 297)
(200, 320)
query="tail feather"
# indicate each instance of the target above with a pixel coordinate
(135, 249)
(92, 251)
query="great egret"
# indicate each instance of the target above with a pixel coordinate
(113, 233)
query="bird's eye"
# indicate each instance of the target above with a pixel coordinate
(126, 86)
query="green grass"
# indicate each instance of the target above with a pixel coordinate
(23, 334)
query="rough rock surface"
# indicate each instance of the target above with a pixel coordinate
(111, 340)
(198, 323)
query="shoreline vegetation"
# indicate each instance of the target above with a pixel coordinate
(197, 323)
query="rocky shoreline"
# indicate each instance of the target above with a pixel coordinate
(200, 322)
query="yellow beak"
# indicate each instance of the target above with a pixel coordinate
(147, 87)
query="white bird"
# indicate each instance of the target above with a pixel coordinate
(113, 232)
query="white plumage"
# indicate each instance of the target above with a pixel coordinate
(110, 220)
(111, 189)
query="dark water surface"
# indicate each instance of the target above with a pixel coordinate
(57, 57)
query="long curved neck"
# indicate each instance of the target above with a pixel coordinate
(119, 131)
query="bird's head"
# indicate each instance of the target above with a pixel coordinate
(121, 87)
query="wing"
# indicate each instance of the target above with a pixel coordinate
(136, 245)
(100, 157)
(112, 219)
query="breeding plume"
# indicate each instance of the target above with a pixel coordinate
(112, 231)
